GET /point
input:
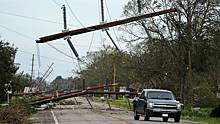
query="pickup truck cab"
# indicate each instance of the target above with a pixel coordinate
(157, 103)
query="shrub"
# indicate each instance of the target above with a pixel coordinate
(16, 112)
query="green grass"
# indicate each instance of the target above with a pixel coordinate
(4, 103)
(118, 103)
(200, 119)
(29, 116)
(121, 103)
(201, 116)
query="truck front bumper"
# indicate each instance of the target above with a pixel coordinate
(172, 113)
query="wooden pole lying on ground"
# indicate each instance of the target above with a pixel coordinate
(80, 94)
(62, 94)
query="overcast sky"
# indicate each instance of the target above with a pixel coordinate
(24, 21)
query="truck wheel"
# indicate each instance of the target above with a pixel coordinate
(136, 116)
(165, 119)
(146, 118)
(177, 119)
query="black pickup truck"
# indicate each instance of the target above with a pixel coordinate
(157, 103)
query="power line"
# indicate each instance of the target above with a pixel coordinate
(76, 45)
(34, 39)
(110, 20)
(72, 59)
(28, 17)
(56, 3)
(7, 71)
(75, 16)
(45, 56)
(91, 41)
(60, 51)
(17, 32)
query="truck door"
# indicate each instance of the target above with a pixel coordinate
(141, 102)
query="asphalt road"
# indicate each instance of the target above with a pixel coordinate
(100, 114)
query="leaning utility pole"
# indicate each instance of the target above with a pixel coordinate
(12, 62)
(40, 82)
(32, 68)
(101, 26)
(106, 29)
(66, 30)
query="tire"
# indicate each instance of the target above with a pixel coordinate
(177, 119)
(146, 118)
(136, 116)
(165, 119)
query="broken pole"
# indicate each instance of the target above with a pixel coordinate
(101, 26)
(89, 102)
(73, 92)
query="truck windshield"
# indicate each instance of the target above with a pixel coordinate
(160, 95)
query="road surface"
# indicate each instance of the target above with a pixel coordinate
(100, 114)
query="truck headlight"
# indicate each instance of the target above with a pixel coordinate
(178, 106)
(150, 105)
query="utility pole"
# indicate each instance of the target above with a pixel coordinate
(190, 80)
(47, 76)
(114, 77)
(101, 26)
(106, 29)
(66, 30)
(12, 62)
(99, 79)
(32, 68)
(18, 80)
(40, 82)
(114, 96)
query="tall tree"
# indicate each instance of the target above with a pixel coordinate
(100, 65)
(7, 69)
(193, 28)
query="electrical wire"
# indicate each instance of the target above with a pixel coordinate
(37, 45)
(28, 17)
(57, 4)
(7, 71)
(75, 45)
(91, 41)
(72, 58)
(44, 56)
(76, 17)
(60, 51)
(17, 32)
(110, 20)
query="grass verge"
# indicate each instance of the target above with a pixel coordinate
(200, 116)
(121, 103)
(200, 119)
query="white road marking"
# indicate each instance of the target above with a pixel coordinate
(54, 117)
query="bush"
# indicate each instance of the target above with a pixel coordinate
(203, 112)
(16, 112)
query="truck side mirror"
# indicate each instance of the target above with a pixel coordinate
(178, 99)
(142, 97)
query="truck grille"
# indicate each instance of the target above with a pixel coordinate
(165, 106)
